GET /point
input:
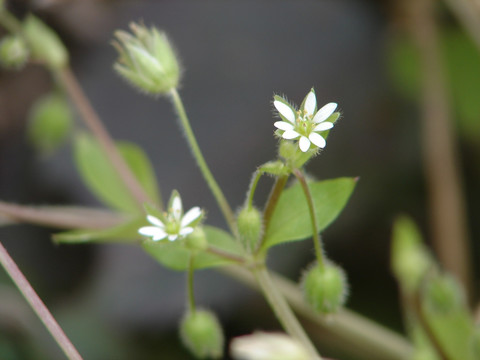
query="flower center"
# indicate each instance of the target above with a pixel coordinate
(303, 123)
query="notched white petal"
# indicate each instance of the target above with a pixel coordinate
(172, 237)
(318, 140)
(325, 112)
(282, 125)
(155, 221)
(310, 103)
(285, 110)
(186, 231)
(191, 215)
(153, 232)
(323, 126)
(290, 134)
(304, 144)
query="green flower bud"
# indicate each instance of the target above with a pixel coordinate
(325, 288)
(410, 259)
(13, 52)
(443, 294)
(249, 223)
(147, 60)
(44, 43)
(202, 334)
(197, 240)
(50, 122)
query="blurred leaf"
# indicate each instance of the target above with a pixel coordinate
(126, 232)
(50, 122)
(100, 176)
(291, 220)
(175, 256)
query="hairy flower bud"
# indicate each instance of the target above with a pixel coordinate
(13, 52)
(249, 223)
(202, 334)
(197, 240)
(147, 60)
(325, 287)
(44, 43)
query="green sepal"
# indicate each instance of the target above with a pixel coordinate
(291, 220)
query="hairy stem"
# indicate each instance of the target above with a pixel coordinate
(311, 207)
(282, 310)
(202, 164)
(97, 128)
(37, 305)
(191, 295)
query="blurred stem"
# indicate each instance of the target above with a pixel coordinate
(224, 254)
(202, 164)
(311, 208)
(191, 295)
(282, 310)
(468, 14)
(97, 128)
(10, 22)
(359, 335)
(446, 200)
(37, 305)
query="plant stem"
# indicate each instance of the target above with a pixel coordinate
(224, 254)
(37, 305)
(311, 207)
(191, 295)
(95, 125)
(253, 186)
(272, 201)
(202, 164)
(10, 22)
(282, 311)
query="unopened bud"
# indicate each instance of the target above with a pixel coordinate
(50, 122)
(147, 60)
(13, 52)
(249, 223)
(325, 287)
(202, 334)
(197, 240)
(44, 43)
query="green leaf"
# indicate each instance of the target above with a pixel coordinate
(100, 176)
(175, 256)
(124, 233)
(291, 220)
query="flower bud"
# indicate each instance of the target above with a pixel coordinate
(443, 294)
(147, 60)
(197, 240)
(410, 259)
(202, 334)
(50, 122)
(249, 223)
(13, 52)
(44, 43)
(325, 287)
(267, 346)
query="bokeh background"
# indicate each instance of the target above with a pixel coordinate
(114, 301)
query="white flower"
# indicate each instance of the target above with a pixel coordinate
(174, 224)
(306, 123)
(267, 346)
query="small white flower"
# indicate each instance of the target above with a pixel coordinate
(173, 224)
(306, 123)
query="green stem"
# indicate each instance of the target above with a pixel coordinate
(253, 186)
(283, 311)
(224, 254)
(311, 208)
(272, 201)
(191, 296)
(37, 305)
(207, 174)
(10, 22)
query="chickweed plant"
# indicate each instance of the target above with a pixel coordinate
(120, 175)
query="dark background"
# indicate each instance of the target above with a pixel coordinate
(114, 301)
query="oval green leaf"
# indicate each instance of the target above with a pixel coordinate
(100, 176)
(291, 220)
